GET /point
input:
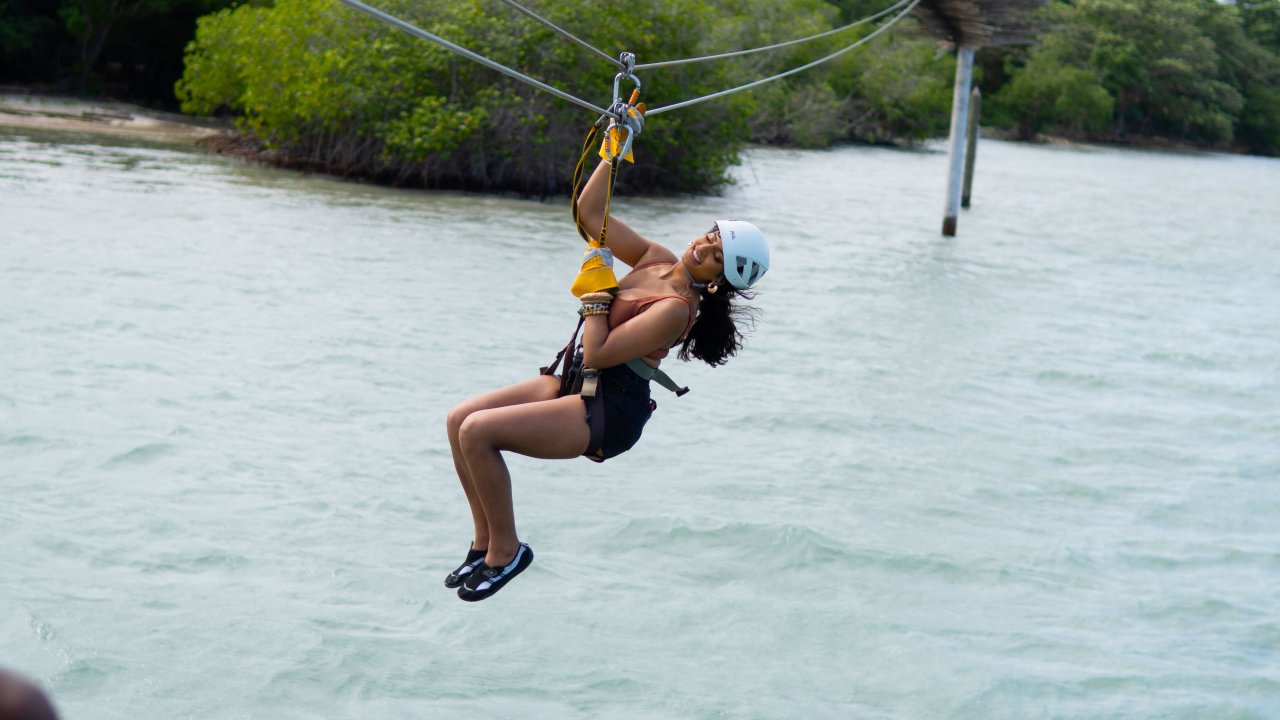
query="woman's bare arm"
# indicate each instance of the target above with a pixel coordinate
(627, 245)
(657, 327)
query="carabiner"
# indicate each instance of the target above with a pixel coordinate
(623, 117)
(618, 108)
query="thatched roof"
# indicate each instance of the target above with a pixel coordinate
(980, 23)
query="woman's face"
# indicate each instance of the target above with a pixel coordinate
(704, 258)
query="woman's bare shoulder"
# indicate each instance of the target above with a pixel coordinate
(656, 253)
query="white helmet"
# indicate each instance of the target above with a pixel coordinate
(746, 254)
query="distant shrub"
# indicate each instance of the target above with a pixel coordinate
(899, 88)
(325, 84)
(1196, 71)
(328, 87)
(1047, 96)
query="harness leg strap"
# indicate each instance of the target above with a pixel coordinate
(595, 421)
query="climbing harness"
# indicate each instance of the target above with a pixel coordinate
(577, 379)
(580, 380)
(649, 372)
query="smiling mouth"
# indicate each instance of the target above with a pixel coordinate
(697, 257)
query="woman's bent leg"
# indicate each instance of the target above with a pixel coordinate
(551, 429)
(543, 387)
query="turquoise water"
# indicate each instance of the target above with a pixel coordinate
(1026, 473)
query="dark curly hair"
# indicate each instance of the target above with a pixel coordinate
(716, 335)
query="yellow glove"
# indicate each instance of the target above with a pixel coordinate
(596, 274)
(623, 137)
(612, 145)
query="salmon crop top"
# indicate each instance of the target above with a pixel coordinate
(623, 310)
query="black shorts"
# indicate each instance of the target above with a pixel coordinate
(627, 408)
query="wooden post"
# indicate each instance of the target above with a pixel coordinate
(971, 152)
(959, 123)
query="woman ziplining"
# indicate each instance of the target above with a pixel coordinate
(599, 405)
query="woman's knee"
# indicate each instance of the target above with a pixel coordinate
(457, 416)
(471, 432)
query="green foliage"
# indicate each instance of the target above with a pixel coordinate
(1260, 20)
(317, 80)
(1259, 126)
(322, 83)
(899, 90)
(1196, 71)
(214, 82)
(1049, 96)
(24, 33)
(91, 24)
(326, 85)
(895, 89)
(798, 113)
(123, 48)
(433, 127)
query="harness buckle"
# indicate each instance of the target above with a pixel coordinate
(590, 382)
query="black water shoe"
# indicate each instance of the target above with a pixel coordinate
(485, 581)
(474, 559)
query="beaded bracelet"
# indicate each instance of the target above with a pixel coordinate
(589, 309)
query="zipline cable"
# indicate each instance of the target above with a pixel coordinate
(563, 32)
(793, 71)
(414, 30)
(419, 32)
(736, 53)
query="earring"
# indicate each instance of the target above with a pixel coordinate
(712, 287)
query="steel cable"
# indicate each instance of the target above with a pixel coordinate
(793, 71)
(470, 55)
(562, 31)
(414, 30)
(736, 53)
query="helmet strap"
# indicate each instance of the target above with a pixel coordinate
(694, 283)
(712, 287)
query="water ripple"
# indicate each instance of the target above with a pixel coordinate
(1026, 472)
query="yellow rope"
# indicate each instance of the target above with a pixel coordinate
(595, 275)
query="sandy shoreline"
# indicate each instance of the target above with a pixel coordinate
(46, 112)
